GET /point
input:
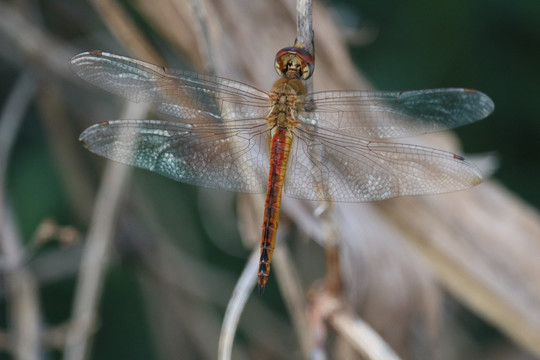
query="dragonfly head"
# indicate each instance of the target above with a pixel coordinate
(294, 63)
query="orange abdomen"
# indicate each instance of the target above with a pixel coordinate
(280, 148)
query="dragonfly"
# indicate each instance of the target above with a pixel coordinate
(325, 146)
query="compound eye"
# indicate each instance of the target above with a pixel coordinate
(294, 63)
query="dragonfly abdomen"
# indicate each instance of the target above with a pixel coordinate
(280, 148)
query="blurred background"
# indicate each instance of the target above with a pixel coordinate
(486, 45)
(177, 250)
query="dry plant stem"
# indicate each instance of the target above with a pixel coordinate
(304, 37)
(24, 316)
(125, 30)
(96, 252)
(36, 45)
(354, 330)
(490, 262)
(165, 261)
(11, 119)
(236, 306)
(62, 139)
(291, 288)
(304, 32)
(237, 302)
(202, 32)
(244, 285)
(333, 282)
(304, 25)
(172, 20)
(22, 295)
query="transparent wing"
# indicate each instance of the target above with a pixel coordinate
(232, 159)
(219, 137)
(386, 114)
(335, 167)
(181, 94)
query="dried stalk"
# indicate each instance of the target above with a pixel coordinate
(97, 251)
(24, 316)
(355, 331)
(293, 294)
(235, 308)
(125, 30)
(66, 149)
(37, 46)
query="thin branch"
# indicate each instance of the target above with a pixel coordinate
(11, 119)
(354, 330)
(125, 30)
(334, 280)
(62, 139)
(97, 250)
(164, 262)
(304, 25)
(236, 306)
(304, 32)
(291, 288)
(202, 32)
(22, 295)
(22, 290)
(37, 45)
(474, 259)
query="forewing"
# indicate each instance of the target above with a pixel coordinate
(356, 170)
(182, 94)
(230, 159)
(386, 114)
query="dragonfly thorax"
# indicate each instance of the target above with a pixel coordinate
(284, 98)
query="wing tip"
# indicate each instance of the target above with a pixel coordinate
(486, 105)
(477, 180)
(477, 177)
(481, 105)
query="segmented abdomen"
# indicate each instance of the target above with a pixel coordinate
(280, 148)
